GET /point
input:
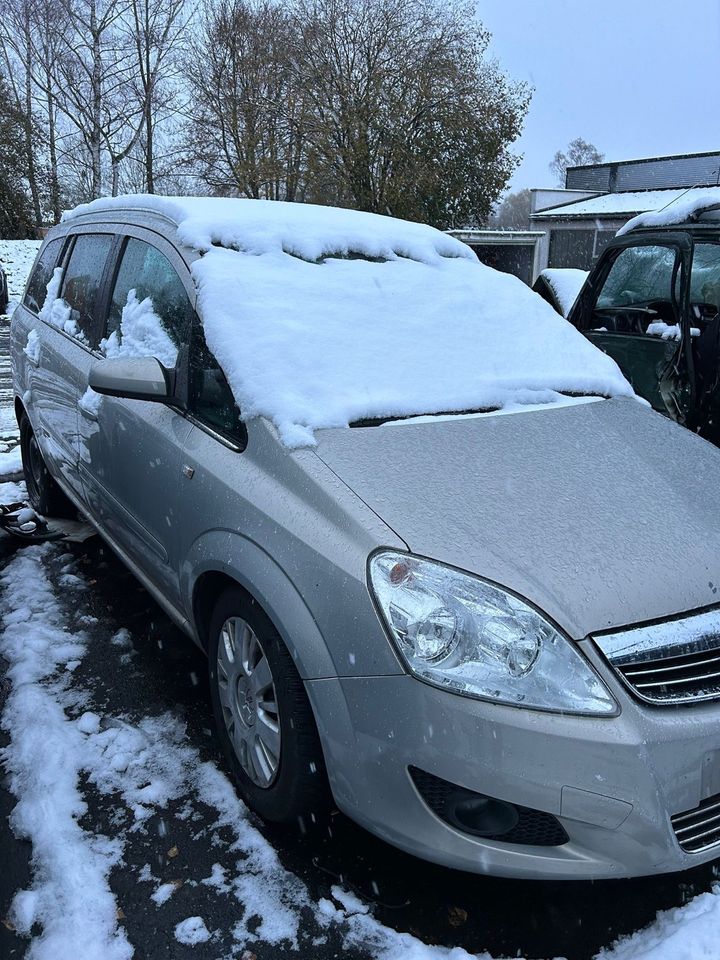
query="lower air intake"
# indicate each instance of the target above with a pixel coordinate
(481, 816)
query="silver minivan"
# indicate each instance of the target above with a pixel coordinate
(451, 575)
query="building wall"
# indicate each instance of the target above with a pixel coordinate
(557, 249)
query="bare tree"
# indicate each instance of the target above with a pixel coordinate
(578, 152)
(158, 28)
(514, 211)
(248, 117)
(16, 31)
(408, 116)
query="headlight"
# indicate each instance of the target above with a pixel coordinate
(465, 635)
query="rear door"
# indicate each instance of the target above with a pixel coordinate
(129, 450)
(634, 308)
(70, 334)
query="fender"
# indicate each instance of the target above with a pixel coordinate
(228, 552)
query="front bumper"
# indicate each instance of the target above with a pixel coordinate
(612, 783)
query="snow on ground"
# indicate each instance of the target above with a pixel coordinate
(62, 743)
(16, 259)
(10, 463)
(321, 316)
(566, 285)
(58, 741)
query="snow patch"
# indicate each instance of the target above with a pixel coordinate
(685, 207)
(70, 896)
(141, 334)
(192, 931)
(10, 463)
(566, 285)
(32, 347)
(163, 893)
(90, 402)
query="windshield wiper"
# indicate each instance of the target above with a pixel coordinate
(379, 421)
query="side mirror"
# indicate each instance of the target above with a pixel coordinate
(134, 378)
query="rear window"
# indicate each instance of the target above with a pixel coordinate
(42, 275)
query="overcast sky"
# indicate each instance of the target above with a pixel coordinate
(638, 78)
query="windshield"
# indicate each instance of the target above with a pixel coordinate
(641, 276)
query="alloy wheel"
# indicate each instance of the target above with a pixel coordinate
(249, 701)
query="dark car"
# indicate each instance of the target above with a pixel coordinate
(3, 291)
(652, 302)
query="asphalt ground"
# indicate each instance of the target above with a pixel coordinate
(164, 672)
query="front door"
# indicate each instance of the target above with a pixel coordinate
(634, 308)
(130, 450)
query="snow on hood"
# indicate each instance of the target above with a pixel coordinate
(321, 316)
(687, 207)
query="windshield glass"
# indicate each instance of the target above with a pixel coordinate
(641, 292)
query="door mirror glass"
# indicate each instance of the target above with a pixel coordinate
(134, 378)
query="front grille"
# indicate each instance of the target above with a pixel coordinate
(674, 662)
(686, 676)
(534, 827)
(699, 829)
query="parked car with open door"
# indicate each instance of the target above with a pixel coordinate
(652, 302)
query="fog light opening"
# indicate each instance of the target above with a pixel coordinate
(478, 815)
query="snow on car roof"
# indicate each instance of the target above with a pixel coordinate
(321, 317)
(622, 204)
(688, 206)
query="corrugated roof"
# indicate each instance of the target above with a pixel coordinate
(622, 205)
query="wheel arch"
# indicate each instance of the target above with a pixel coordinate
(213, 566)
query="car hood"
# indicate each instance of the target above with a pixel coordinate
(602, 514)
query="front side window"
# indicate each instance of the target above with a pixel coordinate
(150, 311)
(42, 274)
(210, 397)
(640, 293)
(76, 308)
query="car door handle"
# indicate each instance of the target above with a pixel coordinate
(35, 361)
(88, 414)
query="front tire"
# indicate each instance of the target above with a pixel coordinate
(263, 716)
(44, 494)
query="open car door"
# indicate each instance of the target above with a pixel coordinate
(634, 307)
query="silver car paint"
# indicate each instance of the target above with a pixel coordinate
(601, 514)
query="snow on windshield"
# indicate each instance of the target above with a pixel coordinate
(321, 317)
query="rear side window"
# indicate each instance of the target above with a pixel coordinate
(81, 288)
(42, 275)
(210, 398)
(150, 312)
